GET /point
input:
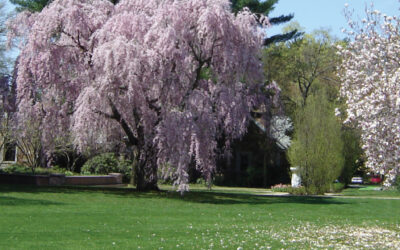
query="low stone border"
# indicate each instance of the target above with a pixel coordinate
(60, 179)
(110, 179)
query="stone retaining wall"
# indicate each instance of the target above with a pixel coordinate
(94, 180)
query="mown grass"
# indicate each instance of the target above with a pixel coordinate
(368, 191)
(106, 218)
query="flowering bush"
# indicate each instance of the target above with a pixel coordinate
(281, 188)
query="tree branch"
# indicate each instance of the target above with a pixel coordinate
(117, 116)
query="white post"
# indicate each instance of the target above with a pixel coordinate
(296, 180)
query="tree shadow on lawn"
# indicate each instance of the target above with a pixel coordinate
(6, 188)
(218, 198)
(13, 201)
(206, 197)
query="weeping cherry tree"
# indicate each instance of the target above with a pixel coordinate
(170, 77)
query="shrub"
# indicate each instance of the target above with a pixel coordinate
(21, 169)
(317, 147)
(352, 153)
(397, 183)
(299, 191)
(201, 181)
(337, 187)
(107, 163)
(254, 176)
(289, 189)
(60, 170)
(16, 169)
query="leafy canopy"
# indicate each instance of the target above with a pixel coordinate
(317, 146)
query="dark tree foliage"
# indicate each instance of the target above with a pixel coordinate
(282, 37)
(281, 19)
(265, 7)
(36, 5)
(30, 5)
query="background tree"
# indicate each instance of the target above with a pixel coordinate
(172, 80)
(5, 60)
(306, 65)
(370, 85)
(30, 5)
(256, 6)
(352, 153)
(264, 8)
(317, 145)
(36, 5)
(7, 88)
(27, 137)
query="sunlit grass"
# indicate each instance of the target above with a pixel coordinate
(368, 191)
(105, 218)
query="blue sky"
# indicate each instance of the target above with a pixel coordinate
(315, 14)
(9, 6)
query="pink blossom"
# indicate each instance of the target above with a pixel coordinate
(171, 76)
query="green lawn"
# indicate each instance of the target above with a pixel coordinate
(368, 191)
(105, 218)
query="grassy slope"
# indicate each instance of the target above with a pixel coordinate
(89, 218)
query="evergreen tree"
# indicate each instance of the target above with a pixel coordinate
(30, 5)
(36, 5)
(265, 8)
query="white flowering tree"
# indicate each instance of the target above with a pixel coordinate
(370, 75)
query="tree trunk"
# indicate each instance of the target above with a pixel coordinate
(133, 157)
(133, 173)
(146, 171)
(146, 177)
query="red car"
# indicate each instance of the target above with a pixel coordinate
(376, 179)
